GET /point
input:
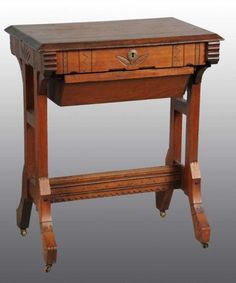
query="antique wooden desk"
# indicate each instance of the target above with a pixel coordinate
(101, 62)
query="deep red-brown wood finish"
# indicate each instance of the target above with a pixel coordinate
(87, 63)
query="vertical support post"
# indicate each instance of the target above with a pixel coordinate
(25, 206)
(41, 135)
(42, 180)
(163, 199)
(36, 163)
(192, 176)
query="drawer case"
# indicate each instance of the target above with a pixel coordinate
(65, 94)
(133, 73)
(133, 58)
(119, 61)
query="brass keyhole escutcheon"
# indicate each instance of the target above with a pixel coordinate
(132, 54)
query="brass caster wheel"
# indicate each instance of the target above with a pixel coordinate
(162, 213)
(23, 232)
(48, 268)
(205, 245)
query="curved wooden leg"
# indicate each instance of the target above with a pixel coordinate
(163, 199)
(45, 220)
(201, 227)
(23, 211)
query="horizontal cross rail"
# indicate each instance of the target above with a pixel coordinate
(180, 105)
(115, 183)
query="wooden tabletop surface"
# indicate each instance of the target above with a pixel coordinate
(64, 36)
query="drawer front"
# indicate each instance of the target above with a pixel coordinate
(131, 58)
(105, 60)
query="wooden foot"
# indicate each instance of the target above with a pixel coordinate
(200, 223)
(49, 243)
(163, 200)
(45, 220)
(23, 211)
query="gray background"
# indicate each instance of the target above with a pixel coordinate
(122, 239)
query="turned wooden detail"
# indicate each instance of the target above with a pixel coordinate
(104, 62)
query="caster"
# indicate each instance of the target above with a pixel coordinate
(23, 232)
(205, 245)
(162, 213)
(48, 268)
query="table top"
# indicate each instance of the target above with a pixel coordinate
(89, 35)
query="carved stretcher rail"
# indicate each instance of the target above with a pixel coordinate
(115, 183)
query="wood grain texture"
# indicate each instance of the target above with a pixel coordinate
(192, 176)
(65, 94)
(36, 163)
(115, 183)
(103, 62)
(174, 153)
(178, 55)
(109, 34)
(123, 75)
(189, 54)
(85, 61)
(23, 211)
(148, 57)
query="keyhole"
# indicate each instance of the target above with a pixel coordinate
(132, 55)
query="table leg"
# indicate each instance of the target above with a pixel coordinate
(36, 163)
(46, 227)
(24, 209)
(163, 199)
(41, 176)
(192, 177)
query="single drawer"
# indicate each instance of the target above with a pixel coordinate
(66, 93)
(130, 58)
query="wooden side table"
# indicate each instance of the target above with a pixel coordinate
(101, 62)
